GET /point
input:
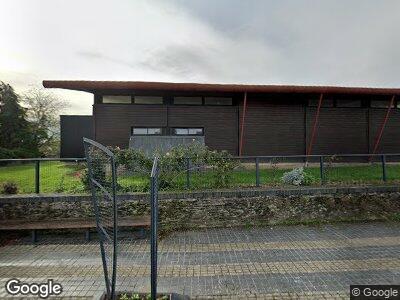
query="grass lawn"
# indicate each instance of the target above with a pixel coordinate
(54, 176)
(62, 177)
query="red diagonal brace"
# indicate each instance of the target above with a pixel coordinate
(315, 125)
(242, 125)
(380, 133)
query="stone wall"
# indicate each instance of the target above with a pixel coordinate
(224, 208)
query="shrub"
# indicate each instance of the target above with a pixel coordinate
(98, 169)
(9, 188)
(297, 177)
(132, 160)
(174, 163)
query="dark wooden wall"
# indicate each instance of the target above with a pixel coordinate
(72, 130)
(113, 122)
(274, 125)
(340, 130)
(220, 124)
(390, 142)
(272, 129)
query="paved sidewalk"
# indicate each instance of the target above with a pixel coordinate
(261, 263)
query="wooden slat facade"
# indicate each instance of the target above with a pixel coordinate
(275, 124)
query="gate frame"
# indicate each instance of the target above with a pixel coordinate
(110, 286)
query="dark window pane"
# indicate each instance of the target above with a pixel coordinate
(181, 131)
(146, 131)
(188, 100)
(348, 103)
(196, 131)
(380, 104)
(188, 131)
(217, 101)
(117, 99)
(148, 100)
(325, 103)
(139, 130)
(154, 131)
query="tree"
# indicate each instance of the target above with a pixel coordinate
(16, 137)
(43, 110)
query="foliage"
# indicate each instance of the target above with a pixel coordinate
(132, 160)
(137, 296)
(16, 132)
(43, 110)
(9, 188)
(297, 176)
(98, 168)
(196, 157)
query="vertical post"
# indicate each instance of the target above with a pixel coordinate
(257, 171)
(321, 169)
(153, 237)
(380, 133)
(314, 129)
(187, 173)
(383, 159)
(37, 176)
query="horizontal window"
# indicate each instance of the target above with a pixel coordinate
(117, 99)
(146, 131)
(348, 103)
(217, 101)
(188, 100)
(380, 104)
(147, 100)
(188, 131)
(325, 103)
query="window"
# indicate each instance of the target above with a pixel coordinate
(325, 103)
(380, 104)
(188, 100)
(188, 131)
(217, 101)
(117, 99)
(348, 103)
(146, 131)
(147, 100)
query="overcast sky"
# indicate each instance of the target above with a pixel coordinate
(330, 42)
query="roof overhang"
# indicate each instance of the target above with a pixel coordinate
(98, 86)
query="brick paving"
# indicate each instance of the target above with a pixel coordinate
(280, 262)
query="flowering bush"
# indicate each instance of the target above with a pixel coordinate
(297, 177)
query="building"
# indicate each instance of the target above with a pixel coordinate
(72, 130)
(247, 119)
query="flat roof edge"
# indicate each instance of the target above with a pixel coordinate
(94, 86)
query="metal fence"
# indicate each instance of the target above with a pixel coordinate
(43, 175)
(154, 226)
(54, 175)
(101, 161)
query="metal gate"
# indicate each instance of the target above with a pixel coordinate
(102, 179)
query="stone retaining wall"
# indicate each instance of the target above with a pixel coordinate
(223, 208)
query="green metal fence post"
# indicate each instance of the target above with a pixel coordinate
(321, 169)
(257, 171)
(383, 159)
(188, 173)
(37, 176)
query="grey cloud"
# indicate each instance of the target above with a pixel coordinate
(182, 61)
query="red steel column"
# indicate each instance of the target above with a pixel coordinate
(315, 125)
(242, 124)
(380, 133)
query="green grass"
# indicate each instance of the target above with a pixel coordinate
(62, 177)
(54, 177)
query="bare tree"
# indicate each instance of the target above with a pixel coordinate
(43, 111)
